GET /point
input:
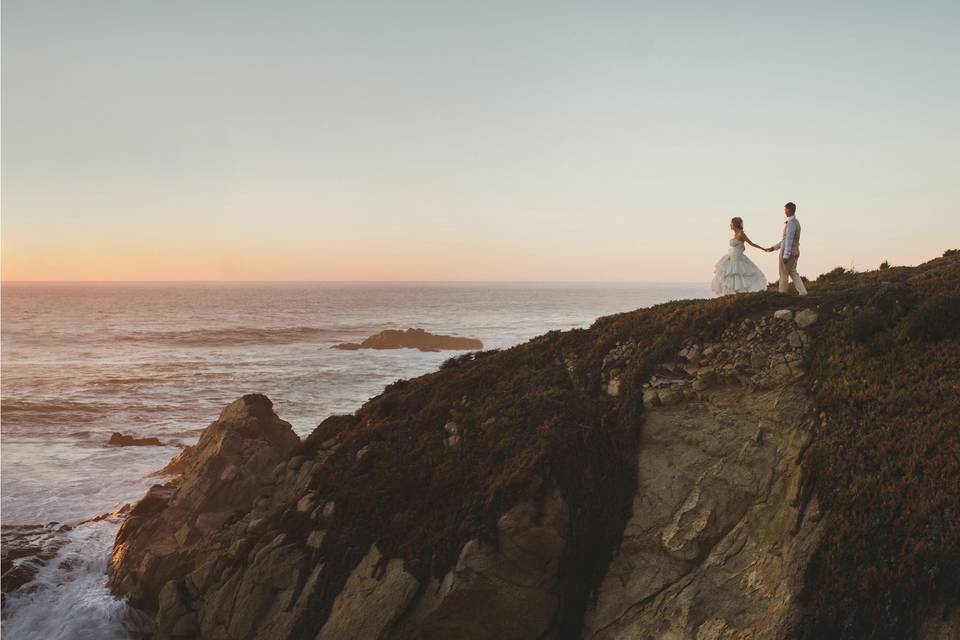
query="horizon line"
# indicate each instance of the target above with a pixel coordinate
(647, 282)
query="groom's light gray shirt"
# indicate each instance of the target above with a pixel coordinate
(791, 237)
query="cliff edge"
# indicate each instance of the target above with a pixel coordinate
(758, 466)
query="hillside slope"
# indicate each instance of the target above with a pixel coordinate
(752, 466)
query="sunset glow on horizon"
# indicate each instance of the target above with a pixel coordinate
(457, 142)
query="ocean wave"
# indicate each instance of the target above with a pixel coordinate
(110, 381)
(62, 570)
(78, 410)
(233, 336)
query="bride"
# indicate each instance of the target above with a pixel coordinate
(735, 272)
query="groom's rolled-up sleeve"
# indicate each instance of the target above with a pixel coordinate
(788, 240)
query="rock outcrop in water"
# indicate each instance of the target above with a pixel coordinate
(118, 439)
(734, 468)
(412, 339)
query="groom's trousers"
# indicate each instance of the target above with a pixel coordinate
(788, 269)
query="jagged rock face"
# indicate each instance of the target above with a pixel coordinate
(157, 541)
(717, 474)
(178, 463)
(253, 590)
(717, 477)
(710, 550)
(507, 593)
(716, 545)
(718, 542)
(206, 555)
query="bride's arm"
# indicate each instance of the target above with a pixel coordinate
(750, 242)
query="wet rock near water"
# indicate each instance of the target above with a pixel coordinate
(25, 549)
(118, 439)
(174, 518)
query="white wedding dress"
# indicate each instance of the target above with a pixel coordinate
(736, 273)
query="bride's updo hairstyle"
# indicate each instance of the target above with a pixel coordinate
(737, 223)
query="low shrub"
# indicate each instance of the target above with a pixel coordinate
(837, 273)
(886, 465)
(935, 319)
(864, 323)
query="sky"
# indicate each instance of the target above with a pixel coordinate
(449, 140)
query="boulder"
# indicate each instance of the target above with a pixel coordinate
(669, 395)
(758, 359)
(650, 398)
(693, 354)
(708, 375)
(795, 339)
(781, 371)
(806, 318)
(315, 539)
(307, 503)
(613, 387)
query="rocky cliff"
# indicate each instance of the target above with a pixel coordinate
(758, 466)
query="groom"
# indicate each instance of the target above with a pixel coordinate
(789, 247)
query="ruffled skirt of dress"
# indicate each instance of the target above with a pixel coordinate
(736, 273)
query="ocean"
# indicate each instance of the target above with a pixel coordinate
(80, 361)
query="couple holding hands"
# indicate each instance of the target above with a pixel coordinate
(736, 273)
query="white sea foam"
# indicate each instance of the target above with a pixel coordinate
(68, 599)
